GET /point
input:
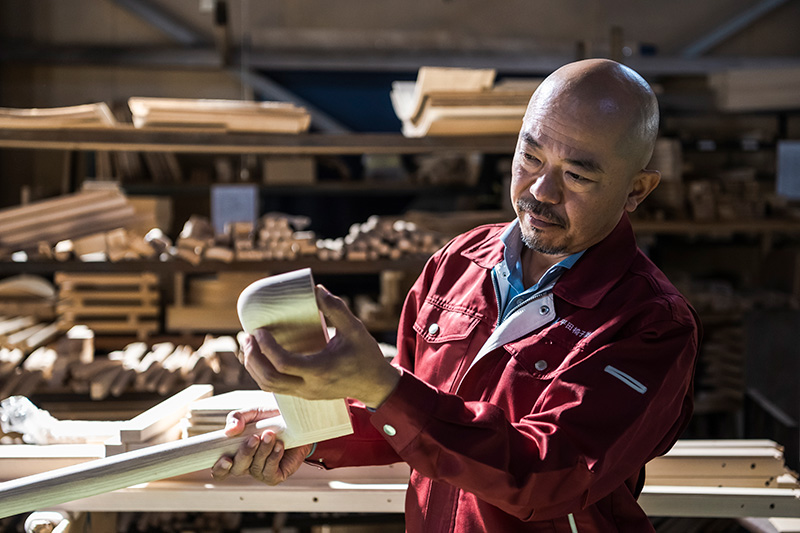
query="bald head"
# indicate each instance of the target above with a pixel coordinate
(606, 95)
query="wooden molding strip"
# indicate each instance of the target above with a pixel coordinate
(164, 415)
(126, 469)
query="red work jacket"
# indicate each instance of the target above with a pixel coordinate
(546, 429)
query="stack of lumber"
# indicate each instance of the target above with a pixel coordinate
(277, 238)
(455, 101)
(230, 115)
(118, 303)
(29, 295)
(209, 414)
(766, 89)
(97, 115)
(116, 245)
(69, 361)
(98, 208)
(66, 442)
(722, 463)
(161, 423)
(37, 354)
(163, 368)
(389, 238)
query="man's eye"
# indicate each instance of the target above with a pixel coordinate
(577, 177)
(530, 157)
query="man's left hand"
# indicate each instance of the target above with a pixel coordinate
(350, 366)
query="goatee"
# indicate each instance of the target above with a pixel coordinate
(530, 236)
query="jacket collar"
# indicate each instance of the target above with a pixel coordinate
(595, 273)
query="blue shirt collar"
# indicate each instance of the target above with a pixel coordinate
(512, 241)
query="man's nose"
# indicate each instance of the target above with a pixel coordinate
(546, 188)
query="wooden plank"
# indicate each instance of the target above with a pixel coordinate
(660, 500)
(164, 415)
(714, 481)
(326, 494)
(85, 115)
(719, 462)
(85, 207)
(92, 279)
(111, 473)
(20, 460)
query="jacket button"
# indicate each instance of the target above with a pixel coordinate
(540, 365)
(543, 310)
(389, 430)
(433, 329)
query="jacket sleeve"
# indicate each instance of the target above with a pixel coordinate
(590, 432)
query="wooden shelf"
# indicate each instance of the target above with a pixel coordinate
(128, 138)
(323, 188)
(170, 267)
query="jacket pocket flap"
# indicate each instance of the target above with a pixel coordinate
(437, 324)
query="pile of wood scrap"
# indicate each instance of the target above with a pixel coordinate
(455, 101)
(119, 303)
(281, 237)
(37, 354)
(97, 115)
(163, 368)
(722, 463)
(38, 226)
(230, 115)
(27, 295)
(389, 238)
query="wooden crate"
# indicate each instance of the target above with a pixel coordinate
(114, 303)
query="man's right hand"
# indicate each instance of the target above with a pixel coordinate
(262, 456)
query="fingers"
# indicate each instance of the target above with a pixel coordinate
(264, 455)
(236, 421)
(275, 359)
(260, 351)
(239, 463)
(334, 309)
(260, 456)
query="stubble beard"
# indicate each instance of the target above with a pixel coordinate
(531, 237)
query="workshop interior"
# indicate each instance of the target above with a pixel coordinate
(161, 159)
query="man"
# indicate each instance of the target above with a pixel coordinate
(540, 363)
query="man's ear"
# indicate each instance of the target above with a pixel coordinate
(642, 184)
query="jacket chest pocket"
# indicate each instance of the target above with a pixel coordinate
(546, 355)
(445, 336)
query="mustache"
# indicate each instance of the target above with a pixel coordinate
(541, 210)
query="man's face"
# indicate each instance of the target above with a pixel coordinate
(570, 179)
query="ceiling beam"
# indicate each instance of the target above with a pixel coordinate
(169, 24)
(360, 61)
(731, 28)
(184, 34)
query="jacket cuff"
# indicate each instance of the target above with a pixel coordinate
(406, 412)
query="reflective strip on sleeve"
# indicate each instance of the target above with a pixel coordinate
(626, 379)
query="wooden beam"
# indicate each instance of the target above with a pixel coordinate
(164, 415)
(131, 468)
